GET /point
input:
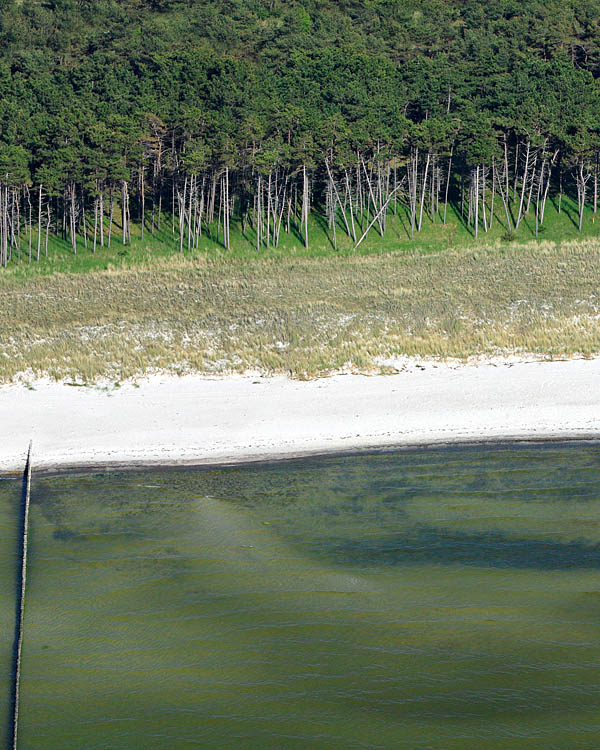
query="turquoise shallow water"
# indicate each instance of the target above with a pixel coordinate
(439, 599)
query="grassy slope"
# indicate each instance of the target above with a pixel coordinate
(433, 238)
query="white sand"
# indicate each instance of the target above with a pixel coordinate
(244, 418)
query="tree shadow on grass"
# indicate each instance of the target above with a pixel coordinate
(323, 225)
(565, 209)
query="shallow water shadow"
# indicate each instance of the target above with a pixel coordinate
(425, 544)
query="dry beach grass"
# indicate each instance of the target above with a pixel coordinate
(302, 316)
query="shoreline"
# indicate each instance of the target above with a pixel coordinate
(207, 422)
(48, 470)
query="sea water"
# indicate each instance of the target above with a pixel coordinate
(442, 598)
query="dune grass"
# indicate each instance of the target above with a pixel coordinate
(302, 316)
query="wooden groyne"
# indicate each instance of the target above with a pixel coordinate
(20, 611)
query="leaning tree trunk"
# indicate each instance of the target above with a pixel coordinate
(524, 185)
(582, 179)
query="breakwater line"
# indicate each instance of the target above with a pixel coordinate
(20, 611)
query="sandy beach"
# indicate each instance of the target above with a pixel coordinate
(199, 420)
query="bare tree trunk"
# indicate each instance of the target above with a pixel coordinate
(462, 191)
(537, 202)
(523, 187)
(96, 201)
(595, 187)
(110, 219)
(412, 189)
(173, 205)
(101, 213)
(227, 209)
(339, 202)
(374, 201)
(305, 200)
(349, 193)
(124, 210)
(503, 184)
(432, 189)
(423, 191)
(516, 172)
(72, 219)
(268, 225)
(582, 179)
(332, 207)
(220, 210)
(493, 195)
(3, 226)
(153, 224)
(376, 217)
(506, 172)
(39, 239)
(200, 211)
(476, 204)
(483, 211)
(281, 211)
(258, 213)
(546, 188)
(83, 219)
(192, 183)
(359, 190)
(213, 194)
(181, 201)
(533, 169)
(448, 182)
(30, 222)
(143, 199)
(47, 230)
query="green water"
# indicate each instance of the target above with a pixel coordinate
(445, 599)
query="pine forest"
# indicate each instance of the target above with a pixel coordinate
(197, 119)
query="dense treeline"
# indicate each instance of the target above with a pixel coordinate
(198, 114)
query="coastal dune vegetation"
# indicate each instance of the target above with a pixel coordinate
(303, 316)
